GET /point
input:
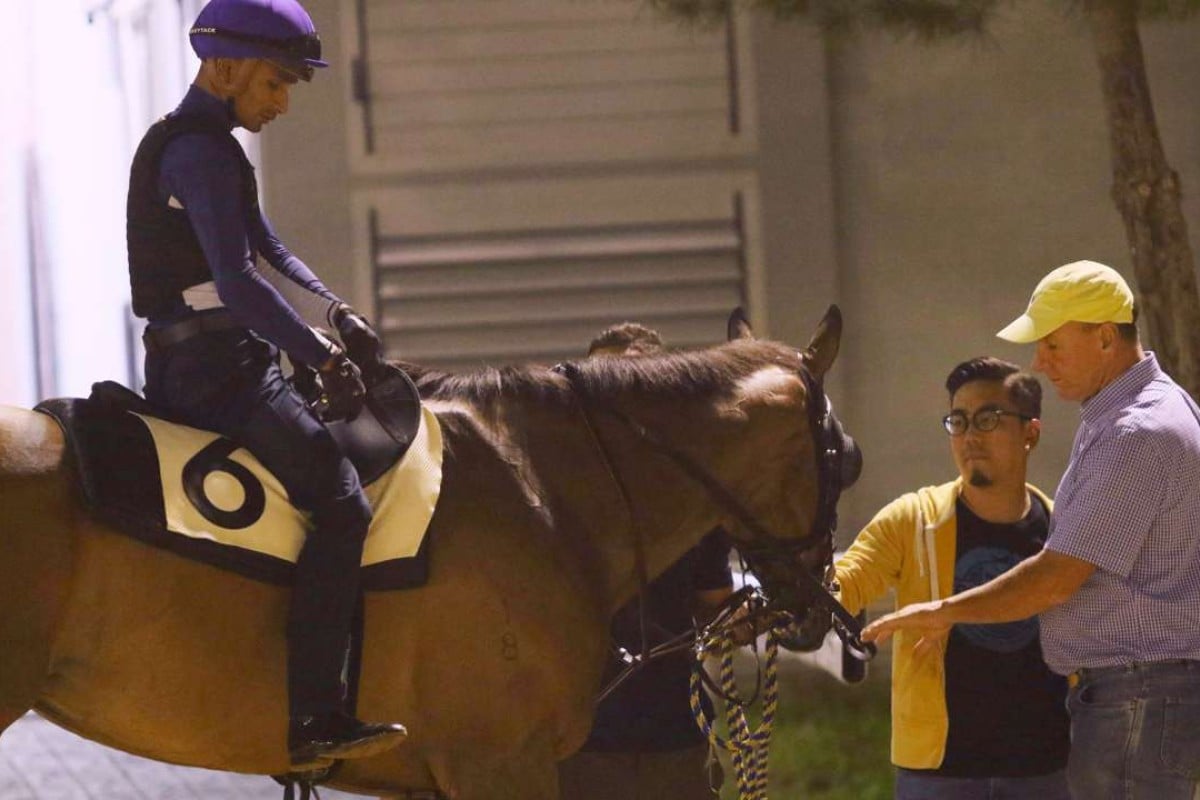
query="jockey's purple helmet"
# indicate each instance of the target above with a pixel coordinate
(277, 30)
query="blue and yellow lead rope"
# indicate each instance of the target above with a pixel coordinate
(748, 749)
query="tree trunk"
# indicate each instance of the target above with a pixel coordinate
(1147, 194)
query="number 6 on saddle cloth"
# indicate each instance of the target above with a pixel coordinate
(200, 495)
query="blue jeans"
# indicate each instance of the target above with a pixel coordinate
(1135, 732)
(918, 785)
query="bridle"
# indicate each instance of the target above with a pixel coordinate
(767, 548)
(830, 452)
(832, 477)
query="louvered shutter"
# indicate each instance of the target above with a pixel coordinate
(497, 125)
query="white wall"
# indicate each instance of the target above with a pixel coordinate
(17, 378)
(89, 78)
(966, 171)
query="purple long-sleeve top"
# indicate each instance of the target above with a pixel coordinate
(203, 176)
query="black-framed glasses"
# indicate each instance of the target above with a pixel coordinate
(957, 423)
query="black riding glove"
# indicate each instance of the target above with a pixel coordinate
(344, 392)
(362, 343)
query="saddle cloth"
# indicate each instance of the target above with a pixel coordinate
(199, 495)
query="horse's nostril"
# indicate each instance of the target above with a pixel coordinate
(851, 462)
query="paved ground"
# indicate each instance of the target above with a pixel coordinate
(39, 761)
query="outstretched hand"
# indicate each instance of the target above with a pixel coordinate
(929, 619)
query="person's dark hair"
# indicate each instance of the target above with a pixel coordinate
(1023, 389)
(628, 339)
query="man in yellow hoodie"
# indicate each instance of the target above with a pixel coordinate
(976, 713)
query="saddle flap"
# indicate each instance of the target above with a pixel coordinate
(394, 401)
(381, 435)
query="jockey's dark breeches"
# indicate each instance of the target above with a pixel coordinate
(231, 383)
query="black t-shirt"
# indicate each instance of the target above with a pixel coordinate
(1007, 709)
(651, 710)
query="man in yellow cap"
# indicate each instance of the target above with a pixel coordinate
(1118, 582)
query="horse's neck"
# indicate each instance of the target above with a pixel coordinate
(649, 543)
(624, 507)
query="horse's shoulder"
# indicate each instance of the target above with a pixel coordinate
(30, 443)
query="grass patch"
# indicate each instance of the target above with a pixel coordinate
(830, 740)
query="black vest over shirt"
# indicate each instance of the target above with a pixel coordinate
(165, 256)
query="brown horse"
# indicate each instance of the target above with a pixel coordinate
(550, 491)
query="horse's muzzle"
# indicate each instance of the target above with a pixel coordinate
(807, 634)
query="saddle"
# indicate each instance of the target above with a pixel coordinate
(200, 495)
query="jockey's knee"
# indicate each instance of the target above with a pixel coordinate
(333, 494)
(346, 518)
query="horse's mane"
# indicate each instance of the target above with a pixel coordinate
(679, 374)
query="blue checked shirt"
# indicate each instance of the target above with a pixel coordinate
(1129, 502)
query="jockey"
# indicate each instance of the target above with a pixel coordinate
(223, 296)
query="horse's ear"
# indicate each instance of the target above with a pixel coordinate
(823, 347)
(738, 326)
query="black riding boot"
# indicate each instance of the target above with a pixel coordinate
(319, 623)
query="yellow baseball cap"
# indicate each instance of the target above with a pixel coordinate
(1083, 291)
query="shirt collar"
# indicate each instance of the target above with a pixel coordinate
(197, 101)
(1122, 391)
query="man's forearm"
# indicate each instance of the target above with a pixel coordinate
(1033, 586)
